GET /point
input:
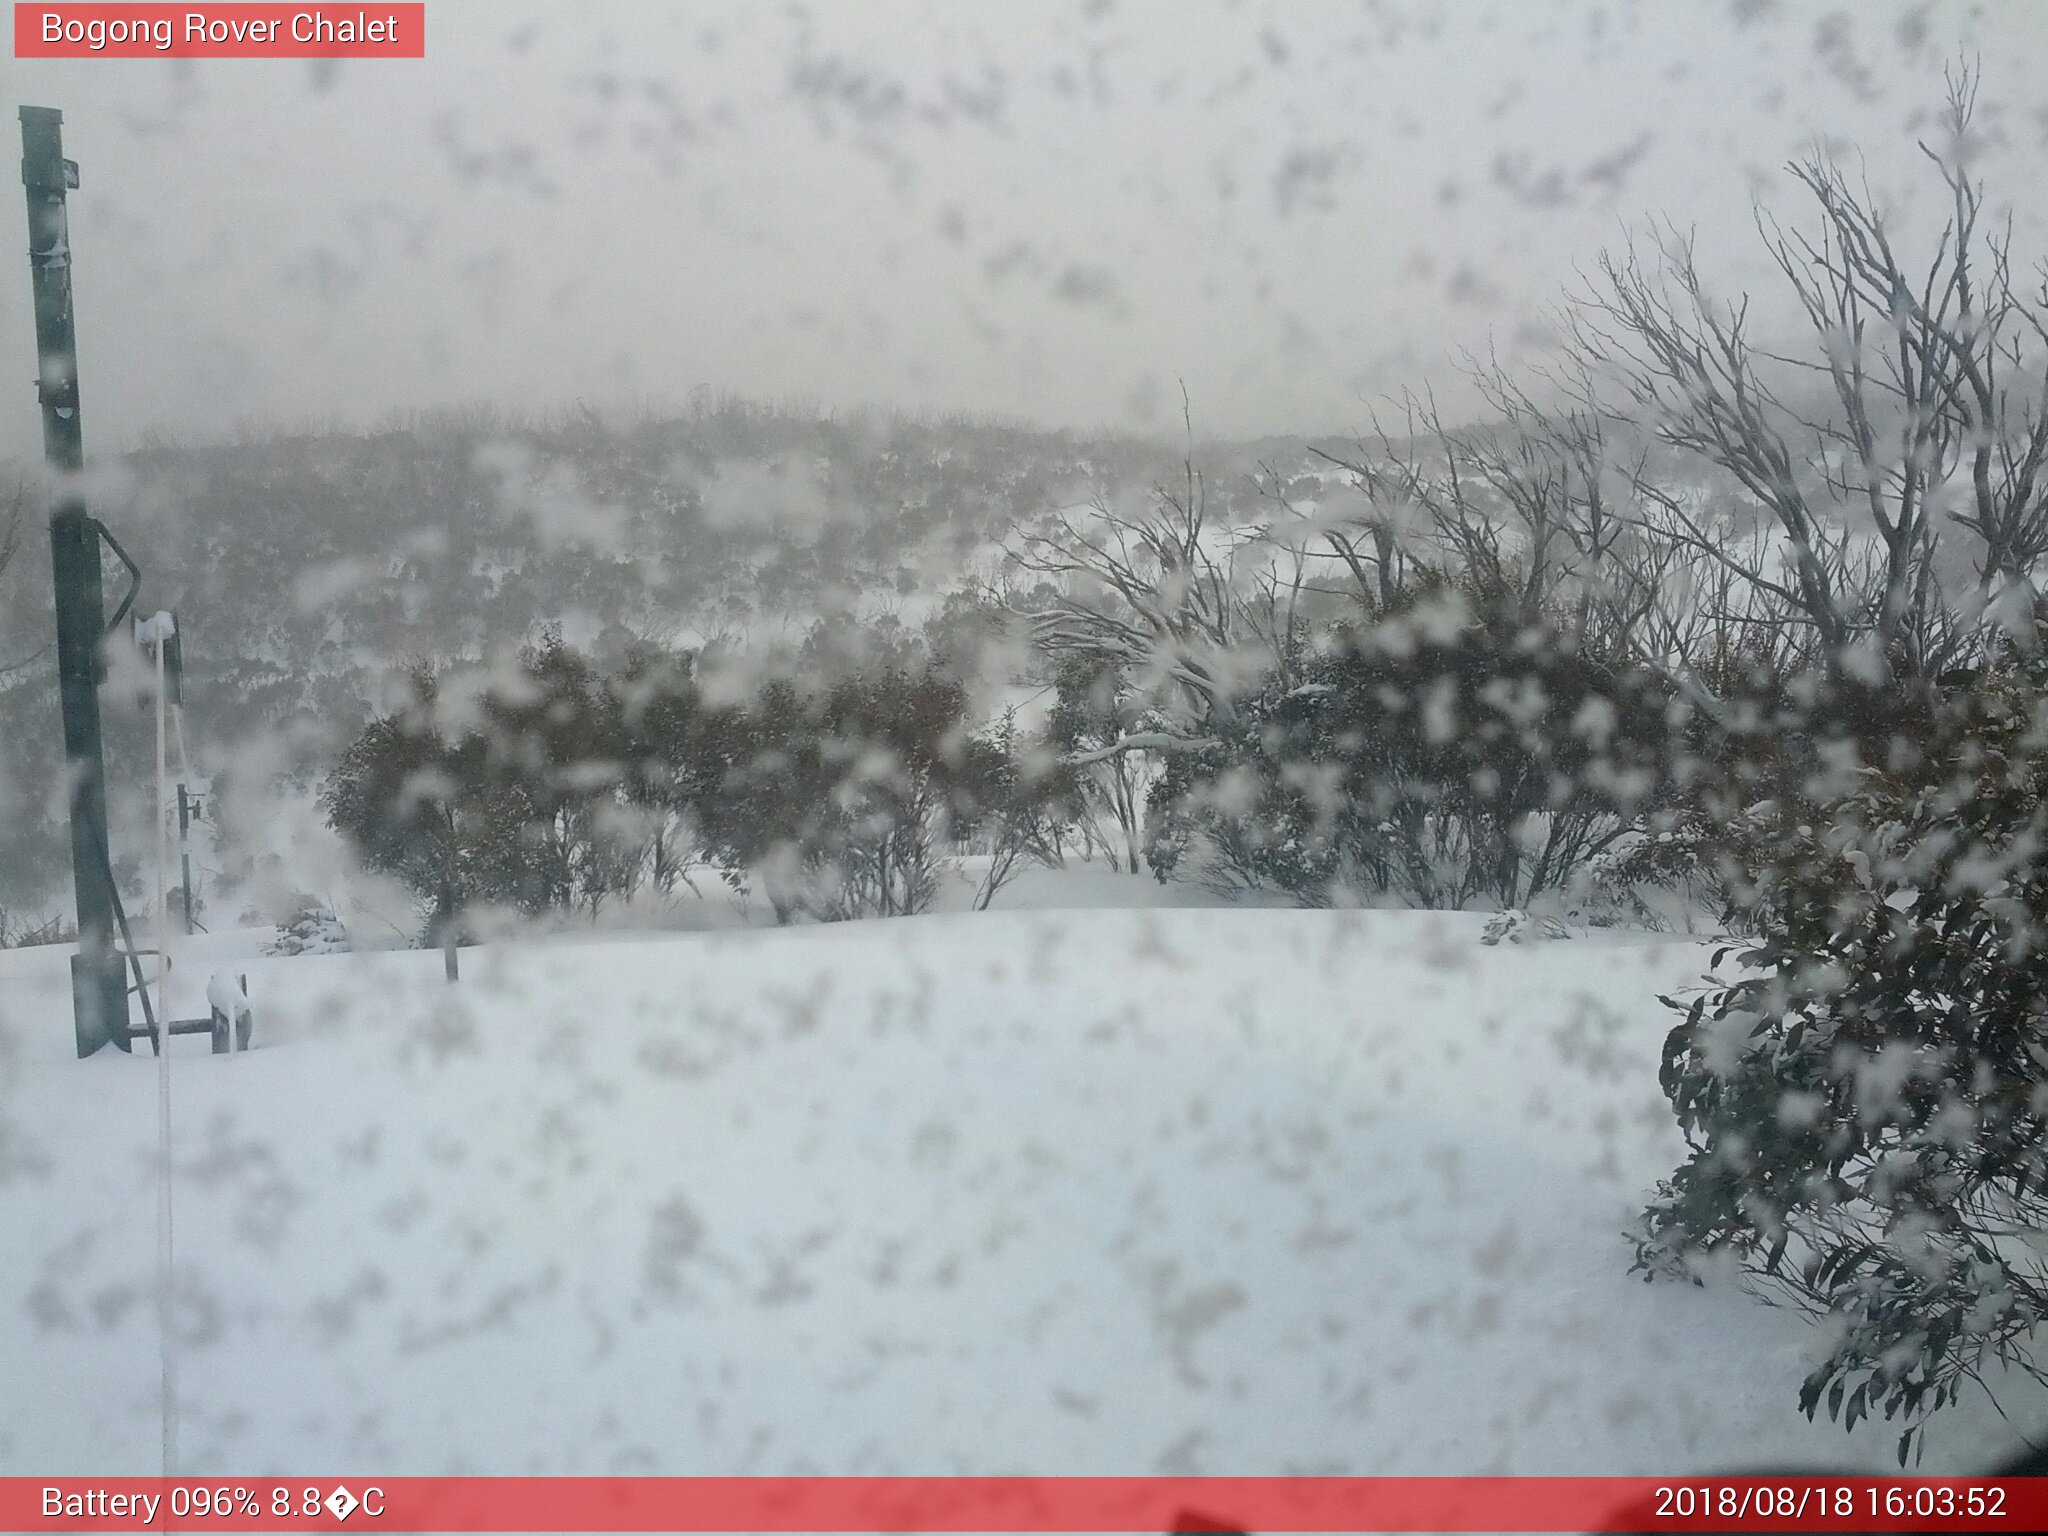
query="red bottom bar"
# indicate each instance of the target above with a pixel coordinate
(1005, 1504)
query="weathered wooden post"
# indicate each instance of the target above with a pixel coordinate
(99, 991)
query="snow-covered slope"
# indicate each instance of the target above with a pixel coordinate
(1044, 1191)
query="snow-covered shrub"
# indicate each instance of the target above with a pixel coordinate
(311, 928)
(19, 932)
(493, 789)
(1867, 1106)
(1450, 753)
(1661, 874)
(561, 783)
(1510, 926)
(1013, 796)
(1094, 707)
(836, 796)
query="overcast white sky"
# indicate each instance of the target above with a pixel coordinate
(1049, 211)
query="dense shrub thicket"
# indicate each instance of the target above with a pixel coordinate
(1451, 752)
(553, 786)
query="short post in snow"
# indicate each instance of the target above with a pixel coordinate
(448, 928)
(229, 1017)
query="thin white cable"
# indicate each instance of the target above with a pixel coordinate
(166, 1311)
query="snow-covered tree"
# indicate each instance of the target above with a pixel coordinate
(1867, 1104)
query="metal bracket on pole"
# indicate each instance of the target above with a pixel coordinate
(107, 538)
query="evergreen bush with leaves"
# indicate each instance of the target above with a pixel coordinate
(496, 790)
(1866, 1105)
(551, 785)
(1455, 751)
(844, 793)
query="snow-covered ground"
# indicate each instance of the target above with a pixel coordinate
(1030, 1191)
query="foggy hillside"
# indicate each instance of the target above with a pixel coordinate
(310, 566)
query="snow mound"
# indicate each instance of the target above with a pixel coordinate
(1037, 1192)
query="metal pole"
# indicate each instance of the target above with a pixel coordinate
(167, 1356)
(99, 990)
(185, 850)
(186, 804)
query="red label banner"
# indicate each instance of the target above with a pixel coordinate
(216, 31)
(1007, 1504)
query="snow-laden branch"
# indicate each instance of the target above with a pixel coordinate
(1144, 741)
